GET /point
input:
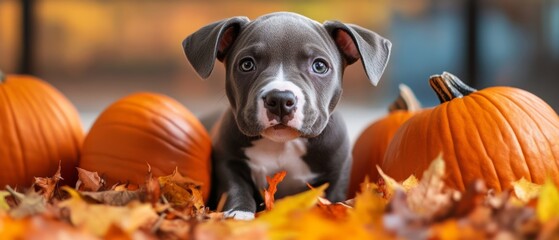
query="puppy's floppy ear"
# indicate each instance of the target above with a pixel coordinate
(355, 42)
(210, 42)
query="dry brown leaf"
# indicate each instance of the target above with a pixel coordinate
(519, 221)
(475, 195)
(430, 197)
(182, 193)
(481, 217)
(153, 190)
(115, 198)
(416, 209)
(48, 185)
(174, 229)
(89, 181)
(98, 218)
(272, 188)
(27, 204)
(402, 221)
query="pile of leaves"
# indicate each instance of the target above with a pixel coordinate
(171, 207)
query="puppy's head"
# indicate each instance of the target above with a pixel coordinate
(284, 71)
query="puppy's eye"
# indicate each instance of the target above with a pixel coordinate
(319, 66)
(247, 65)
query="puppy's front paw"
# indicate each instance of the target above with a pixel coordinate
(239, 215)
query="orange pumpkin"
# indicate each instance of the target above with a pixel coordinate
(370, 146)
(39, 128)
(498, 134)
(147, 128)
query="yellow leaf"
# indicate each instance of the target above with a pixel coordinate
(97, 219)
(548, 203)
(526, 190)
(285, 209)
(315, 226)
(369, 209)
(3, 204)
(410, 182)
(296, 218)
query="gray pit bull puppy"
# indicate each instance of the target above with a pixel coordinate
(283, 81)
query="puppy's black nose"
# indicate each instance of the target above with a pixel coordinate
(280, 103)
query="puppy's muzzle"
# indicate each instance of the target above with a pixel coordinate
(280, 105)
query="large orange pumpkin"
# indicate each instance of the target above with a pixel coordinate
(39, 128)
(370, 146)
(498, 134)
(147, 128)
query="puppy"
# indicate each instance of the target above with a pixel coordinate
(283, 82)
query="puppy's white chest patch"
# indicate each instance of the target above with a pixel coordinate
(267, 157)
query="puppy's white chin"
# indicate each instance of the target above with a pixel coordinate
(281, 134)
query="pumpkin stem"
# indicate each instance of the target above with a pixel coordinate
(406, 100)
(2, 76)
(448, 87)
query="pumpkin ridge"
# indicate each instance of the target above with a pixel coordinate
(111, 156)
(188, 138)
(70, 125)
(516, 101)
(56, 111)
(483, 143)
(183, 113)
(154, 133)
(446, 112)
(125, 162)
(427, 131)
(30, 99)
(176, 112)
(530, 103)
(48, 107)
(130, 104)
(514, 131)
(23, 167)
(143, 131)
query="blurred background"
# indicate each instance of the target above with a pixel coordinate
(97, 51)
